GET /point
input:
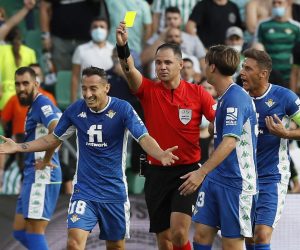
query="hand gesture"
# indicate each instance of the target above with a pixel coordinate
(8, 147)
(40, 164)
(29, 4)
(168, 158)
(192, 182)
(276, 126)
(121, 34)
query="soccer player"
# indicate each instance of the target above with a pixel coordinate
(276, 107)
(40, 188)
(228, 177)
(173, 109)
(102, 125)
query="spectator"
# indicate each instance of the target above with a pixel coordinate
(141, 30)
(188, 72)
(256, 11)
(209, 14)
(7, 25)
(12, 56)
(65, 25)
(279, 35)
(191, 45)
(159, 8)
(89, 53)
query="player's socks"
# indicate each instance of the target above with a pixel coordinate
(37, 241)
(20, 235)
(198, 246)
(187, 246)
(250, 246)
(262, 246)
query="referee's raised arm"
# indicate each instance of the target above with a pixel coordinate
(133, 76)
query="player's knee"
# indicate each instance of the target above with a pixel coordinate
(262, 236)
(73, 244)
(179, 236)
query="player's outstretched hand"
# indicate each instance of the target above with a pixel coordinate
(8, 147)
(40, 164)
(275, 126)
(192, 182)
(168, 158)
(121, 34)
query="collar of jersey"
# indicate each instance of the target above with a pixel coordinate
(220, 97)
(109, 100)
(262, 96)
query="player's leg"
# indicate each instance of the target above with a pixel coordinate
(206, 217)
(19, 230)
(115, 245)
(164, 241)
(77, 239)
(82, 218)
(39, 207)
(114, 222)
(269, 208)
(232, 243)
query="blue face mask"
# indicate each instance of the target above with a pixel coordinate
(99, 34)
(278, 11)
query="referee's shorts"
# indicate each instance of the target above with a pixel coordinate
(162, 194)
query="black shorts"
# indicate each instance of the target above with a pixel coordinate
(162, 195)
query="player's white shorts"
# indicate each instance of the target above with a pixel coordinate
(37, 200)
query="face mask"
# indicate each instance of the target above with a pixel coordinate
(99, 34)
(278, 11)
(238, 48)
(1, 22)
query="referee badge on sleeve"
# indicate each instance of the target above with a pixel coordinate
(185, 115)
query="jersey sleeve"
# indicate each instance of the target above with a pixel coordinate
(293, 104)
(7, 111)
(47, 112)
(234, 113)
(64, 128)
(134, 123)
(208, 104)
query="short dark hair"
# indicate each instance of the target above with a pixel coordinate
(94, 71)
(23, 70)
(262, 58)
(225, 59)
(35, 65)
(186, 59)
(172, 9)
(98, 18)
(172, 46)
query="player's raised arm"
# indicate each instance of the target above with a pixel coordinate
(133, 76)
(41, 144)
(151, 147)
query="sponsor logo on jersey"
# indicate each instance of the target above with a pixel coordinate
(270, 103)
(95, 136)
(47, 110)
(74, 218)
(82, 115)
(231, 116)
(110, 114)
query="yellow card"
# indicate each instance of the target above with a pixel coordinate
(129, 18)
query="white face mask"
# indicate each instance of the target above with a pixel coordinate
(99, 34)
(238, 48)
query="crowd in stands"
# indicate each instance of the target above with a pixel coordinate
(54, 36)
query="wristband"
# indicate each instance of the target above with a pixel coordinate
(123, 51)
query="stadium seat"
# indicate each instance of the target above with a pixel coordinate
(33, 40)
(135, 182)
(63, 89)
